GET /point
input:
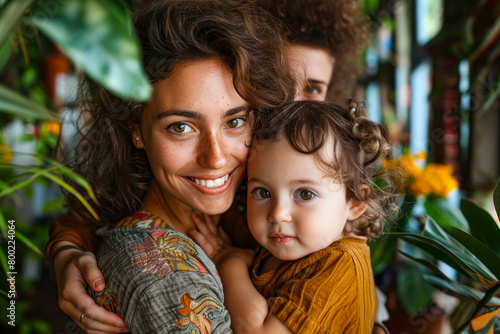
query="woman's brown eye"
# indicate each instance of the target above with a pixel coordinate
(179, 127)
(235, 122)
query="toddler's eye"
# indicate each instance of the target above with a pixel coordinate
(235, 122)
(304, 195)
(180, 128)
(261, 193)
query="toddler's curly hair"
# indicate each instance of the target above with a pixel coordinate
(360, 146)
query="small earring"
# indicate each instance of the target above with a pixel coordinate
(136, 139)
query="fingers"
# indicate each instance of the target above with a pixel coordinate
(210, 224)
(201, 225)
(87, 265)
(203, 242)
(98, 319)
(74, 301)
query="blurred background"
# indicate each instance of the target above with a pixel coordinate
(431, 74)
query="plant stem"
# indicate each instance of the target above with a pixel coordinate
(482, 303)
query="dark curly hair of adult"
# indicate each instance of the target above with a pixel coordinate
(243, 37)
(337, 26)
(360, 146)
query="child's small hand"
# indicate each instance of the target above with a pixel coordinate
(208, 236)
(215, 242)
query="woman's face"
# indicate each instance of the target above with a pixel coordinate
(196, 134)
(312, 68)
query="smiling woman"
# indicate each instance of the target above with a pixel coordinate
(212, 65)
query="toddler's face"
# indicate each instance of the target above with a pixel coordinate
(294, 208)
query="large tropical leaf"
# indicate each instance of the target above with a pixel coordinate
(10, 15)
(480, 250)
(436, 242)
(484, 323)
(411, 284)
(482, 226)
(445, 214)
(455, 289)
(13, 103)
(97, 36)
(382, 252)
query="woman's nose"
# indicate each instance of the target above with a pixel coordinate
(213, 152)
(279, 213)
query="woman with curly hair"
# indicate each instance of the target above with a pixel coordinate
(325, 37)
(213, 65)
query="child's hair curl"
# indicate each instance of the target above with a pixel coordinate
(360, 146)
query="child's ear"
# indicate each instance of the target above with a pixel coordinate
(357, 208)
(136, 136)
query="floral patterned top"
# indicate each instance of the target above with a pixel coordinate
(158, 280)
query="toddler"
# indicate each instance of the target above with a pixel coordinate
(313, 202)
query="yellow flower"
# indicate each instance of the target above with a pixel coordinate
(435, 179)
(5, 154)
(52, 127)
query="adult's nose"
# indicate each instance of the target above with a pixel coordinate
(279, 213)
(213, 151)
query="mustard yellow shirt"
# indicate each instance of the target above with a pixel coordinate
(330, 291)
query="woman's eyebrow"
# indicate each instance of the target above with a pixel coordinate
(234, 111)
(197, 115)
(180, 112)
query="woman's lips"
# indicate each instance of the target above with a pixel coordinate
(212, 186)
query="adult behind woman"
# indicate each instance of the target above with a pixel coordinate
(325, 37)
(211, 63)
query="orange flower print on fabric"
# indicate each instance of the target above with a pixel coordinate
(179, 252)
(166, 252)
(198, 314)
(106, 299)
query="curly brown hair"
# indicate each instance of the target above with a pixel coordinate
(245, 38)
(337, 26)
(360, 146)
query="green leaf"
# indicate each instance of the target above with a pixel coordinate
(444, 213)
(482, 226)
(415, 293)
(426, 263)
(10, 15)
(75, 177)
(71, 190)
(382, 252)
(437, 243)
(3, 224)
(459, 290)
(96, 35)
(14, 103)
(3, 261)
(28, 243)
(5, 50)
(496, 198)
(480, 250)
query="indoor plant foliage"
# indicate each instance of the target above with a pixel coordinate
(475, 254)
(426, 189)
(97, 38)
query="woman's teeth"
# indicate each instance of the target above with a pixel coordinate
(211, 183)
